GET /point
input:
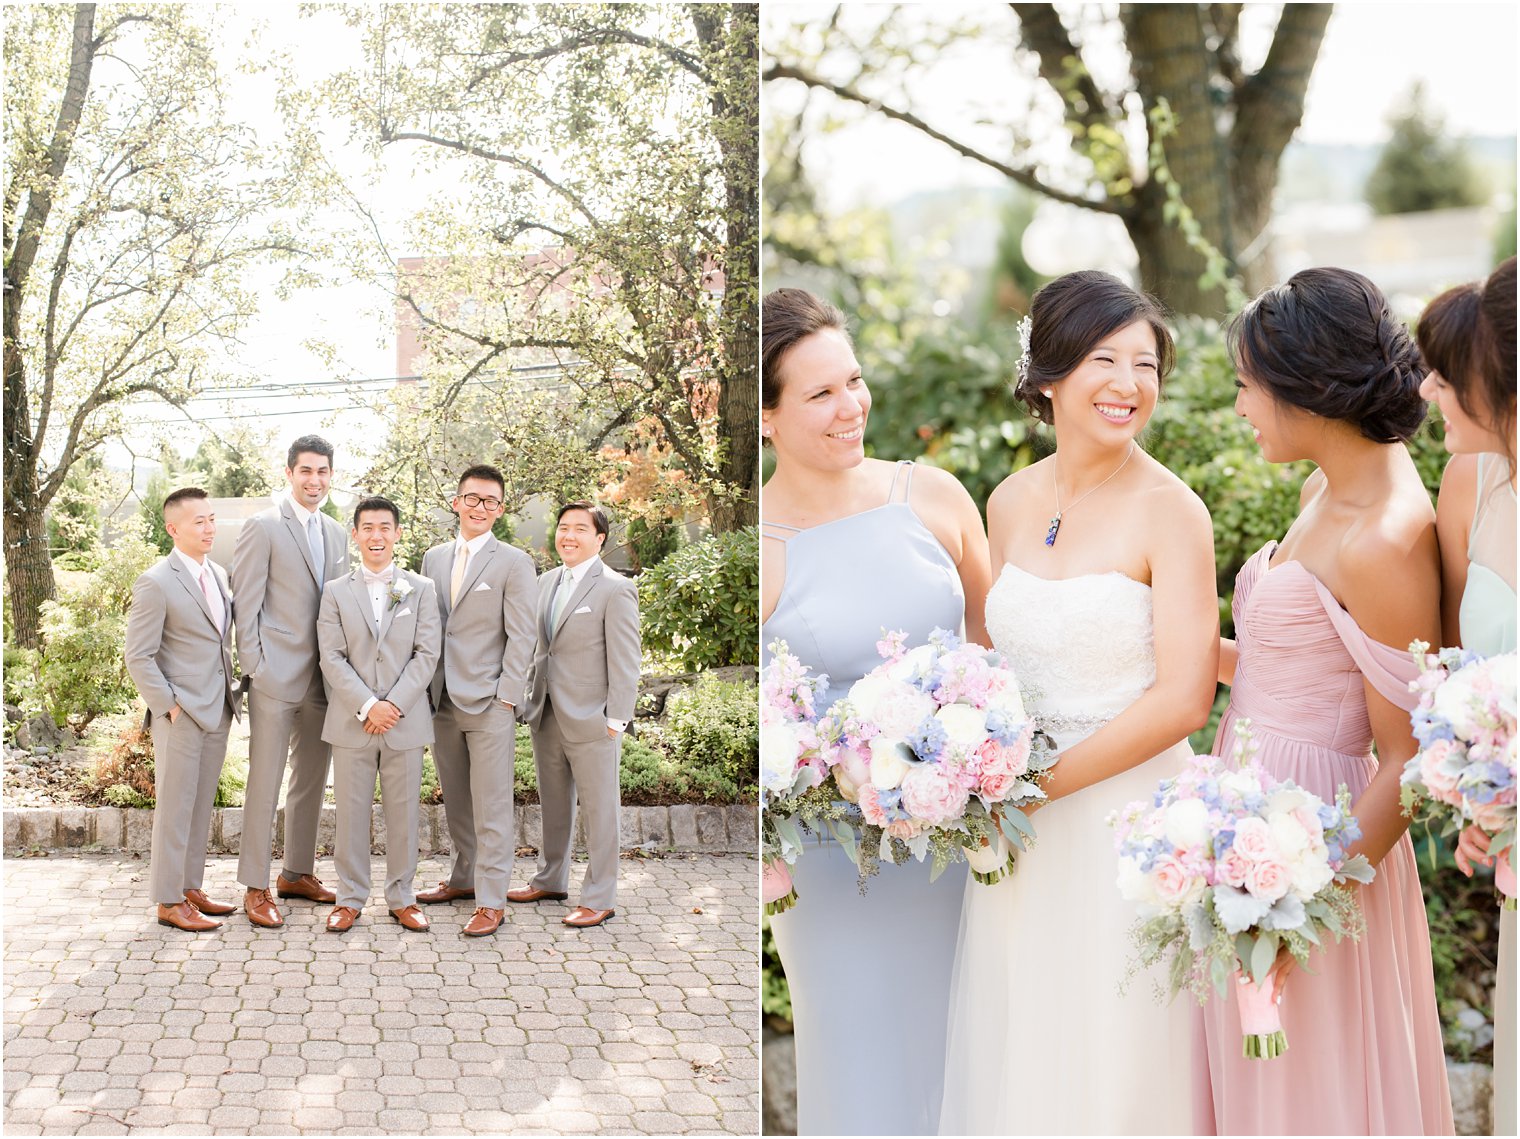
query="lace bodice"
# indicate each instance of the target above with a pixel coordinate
(1082, 647)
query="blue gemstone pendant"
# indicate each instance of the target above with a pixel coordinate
(1055, 528)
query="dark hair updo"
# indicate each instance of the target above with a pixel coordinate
(1499, 380)
(1325, 341)
(1069, 316)
(788, 316)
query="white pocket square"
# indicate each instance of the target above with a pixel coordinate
(404, 612)
(584, 609)
(481, 586)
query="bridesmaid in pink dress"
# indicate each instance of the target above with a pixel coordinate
(1320, 666)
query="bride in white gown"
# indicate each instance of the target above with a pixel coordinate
(1105, 605)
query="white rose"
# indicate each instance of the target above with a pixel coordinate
(1286, 799)
(1241, 783)
(1187, 823)
(851, 772)
(1309, 875)
(963, 724)
(887, 763)
(902, 709)
(778, 757)
(866, 693)
(1135, 885)
(912, 663)
(1289, 834)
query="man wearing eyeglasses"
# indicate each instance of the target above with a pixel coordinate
(486, 592)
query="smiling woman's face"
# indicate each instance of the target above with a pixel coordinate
(820, 419)
(1112, 393)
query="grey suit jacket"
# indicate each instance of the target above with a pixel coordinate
(589, 666)
(174, 653)
(488, 635)
(276, 585)
(395, 662)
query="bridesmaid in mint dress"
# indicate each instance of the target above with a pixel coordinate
(1467, 336)
(854, 546)
(1320, 665)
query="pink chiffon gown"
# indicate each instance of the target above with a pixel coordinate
(1364, 1052)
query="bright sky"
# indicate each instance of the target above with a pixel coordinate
(1465, 53)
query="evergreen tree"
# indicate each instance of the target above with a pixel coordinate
(1421, 168)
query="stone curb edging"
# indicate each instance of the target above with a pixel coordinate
(705, 828)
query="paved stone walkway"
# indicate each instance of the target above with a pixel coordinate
(114, 1023)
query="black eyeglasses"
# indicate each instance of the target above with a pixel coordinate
(474, 500)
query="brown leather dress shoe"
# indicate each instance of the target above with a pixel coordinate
(261, 909)
(484, 921)
(444, 893)
(411, 918)
(583, 918)
(342, 919)
(198, 899)
(306, 886)
(182, 915)
(532, 894)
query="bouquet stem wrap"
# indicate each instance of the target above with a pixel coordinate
(776, 888)
(1260, 1019)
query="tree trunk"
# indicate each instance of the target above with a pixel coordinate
(28, 573)
(1172, 63)
(732, 54)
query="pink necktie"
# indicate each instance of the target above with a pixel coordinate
(213, 605)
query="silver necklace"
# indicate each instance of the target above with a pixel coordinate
(1055, 523)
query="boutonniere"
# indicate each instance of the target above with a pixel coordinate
(401, 589)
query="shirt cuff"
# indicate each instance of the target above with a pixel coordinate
(368, 704)
(618, 725)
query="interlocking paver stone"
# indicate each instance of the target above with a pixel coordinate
(123, 1025)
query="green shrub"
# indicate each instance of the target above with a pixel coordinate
(21, 679)
(431, 791)
(714, 729)
(775, 996)
(700, 605)
(232, 783)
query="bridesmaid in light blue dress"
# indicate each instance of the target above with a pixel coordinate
(855, 546)
(1467, 336)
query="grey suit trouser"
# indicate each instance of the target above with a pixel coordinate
(475, 754)
(279, 729)
(571, 775)
(187, 761)
(400, 772)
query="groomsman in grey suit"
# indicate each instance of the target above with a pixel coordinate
(178, 653)
(581, 692)
(487, 599)
(283, 557)
(380, 634)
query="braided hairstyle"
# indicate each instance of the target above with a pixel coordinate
(1327, 342)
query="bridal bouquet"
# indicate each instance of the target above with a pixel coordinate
(1465, 724)
(934, 748)
(1228, 865)
(794, 766)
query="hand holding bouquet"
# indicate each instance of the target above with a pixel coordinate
(934, 748)
(1465, 724)
(1228, 866)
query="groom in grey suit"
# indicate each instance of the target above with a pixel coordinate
(283, 557)
(178, 653)
(487, 598)
(379, 634)
(581, 693)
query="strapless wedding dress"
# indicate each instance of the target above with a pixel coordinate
(1041, 1038)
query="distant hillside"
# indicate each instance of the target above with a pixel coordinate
(1320, 173)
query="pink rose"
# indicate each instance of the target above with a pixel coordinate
(999, 768)
(931, 796)
(904, 829)
(1253, 839)
(1441, 785)
(870, 806)
(1175, 883)
(1268, 879)
(1492, 817)
(1232, 868)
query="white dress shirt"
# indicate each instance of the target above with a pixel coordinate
(379, 593)
(211, 590)
(577, 575)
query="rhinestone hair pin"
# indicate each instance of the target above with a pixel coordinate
(1026, 326)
